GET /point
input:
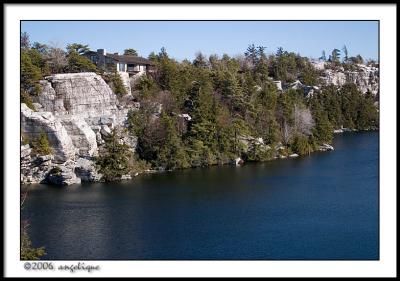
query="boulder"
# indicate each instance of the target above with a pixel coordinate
(278, 85)
(126, 177)
(326, 147)
(238, 161)
(185, 116)
(86, 170)
(62, 175)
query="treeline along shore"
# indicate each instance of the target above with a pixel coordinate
(82, 122)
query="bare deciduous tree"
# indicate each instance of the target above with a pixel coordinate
(56, 58)
(287, 132)
(303, 120)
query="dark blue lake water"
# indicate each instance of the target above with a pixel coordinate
(323, 206)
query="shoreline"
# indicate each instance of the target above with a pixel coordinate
(155, 171)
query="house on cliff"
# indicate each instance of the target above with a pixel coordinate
(133, 65)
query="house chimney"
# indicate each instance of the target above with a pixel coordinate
(101, 52)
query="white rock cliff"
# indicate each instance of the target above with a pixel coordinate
(73, 110)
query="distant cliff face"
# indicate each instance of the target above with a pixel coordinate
(75, 111)
(365, 77)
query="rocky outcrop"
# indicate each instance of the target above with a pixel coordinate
(83, 137)
(34, 169)
(62, 175)
(326, 147)
(76, 111)
(35, 123)
(249, 143)
(81, 94)
(86, 170)
(297, 85)
(366, 78)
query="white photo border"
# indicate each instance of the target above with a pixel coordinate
(385, 14)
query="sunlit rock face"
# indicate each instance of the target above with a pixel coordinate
(35, 123)
(72, 110)
(83, 94)
(366, 78)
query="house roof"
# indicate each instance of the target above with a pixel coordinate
(125, 58)
(130, 59)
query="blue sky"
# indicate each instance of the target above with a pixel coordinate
(182, 39)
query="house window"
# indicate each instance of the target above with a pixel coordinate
(131, 67)
(121, 67)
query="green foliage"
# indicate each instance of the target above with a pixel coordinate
(347, 107)
(130, 52)
(30, 73)
(136, 122)
(357, 59)
(159, 142)
(172, 154)
(28, 252)
(114, 162)
(78, 63)
(26, 98)
(323, 130)
(167, 72)
(309, 74)
(227, 101)
(41, 145)
(147, 86)
(77, 48)
(115, 81)
(38, 59)
(301, 145)
(335, 57)
(284, 67)
(259, 153)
